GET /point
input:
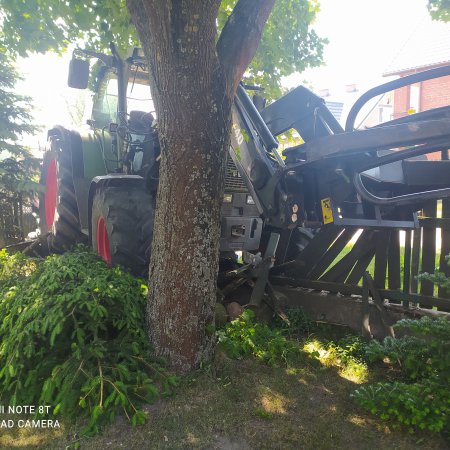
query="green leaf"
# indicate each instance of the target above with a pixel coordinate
(11, 370)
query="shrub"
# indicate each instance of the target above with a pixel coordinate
(420, 398)
(73, 337)
(275, 345)
(14, 268)
(344, 354)
(424, 405)
(244, 337)
(297, 323)
(438, 277)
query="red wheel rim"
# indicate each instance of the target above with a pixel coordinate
(103, 241)
(51, 185)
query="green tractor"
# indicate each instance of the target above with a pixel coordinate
(101, 182)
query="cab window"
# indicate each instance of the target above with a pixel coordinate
(105, 104)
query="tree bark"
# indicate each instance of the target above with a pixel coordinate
(193, 94)
(240, 38)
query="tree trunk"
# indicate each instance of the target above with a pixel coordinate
(193, 84)
(193, 120)
(183, 269)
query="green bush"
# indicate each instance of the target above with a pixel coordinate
(424, 405)
(350, 351)
(351, 347)
(244, 337)
(13, 268)
(438, 277)
(343, 354)
(297, 323)
(72, 335)
(420, 397)
(278, 345)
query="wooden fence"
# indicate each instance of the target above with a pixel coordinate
(16, 219)
(337, 259)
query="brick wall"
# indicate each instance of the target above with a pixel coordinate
(433, 94)
(401, 102)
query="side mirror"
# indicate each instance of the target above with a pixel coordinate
(78, 74)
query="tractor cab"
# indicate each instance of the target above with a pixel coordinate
(123, 114)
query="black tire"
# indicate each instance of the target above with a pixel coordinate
(128, 215)
(65, 229)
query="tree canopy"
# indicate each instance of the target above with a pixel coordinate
(15, 117)
(288, 43)
(439, 9)
(16, 165)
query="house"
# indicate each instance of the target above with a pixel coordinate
(427, 47)
(376, 111)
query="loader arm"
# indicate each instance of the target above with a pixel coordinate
(361, 177)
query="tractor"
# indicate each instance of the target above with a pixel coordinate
(292, 215)
(101, 183)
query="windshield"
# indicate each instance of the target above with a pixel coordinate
(139, 98)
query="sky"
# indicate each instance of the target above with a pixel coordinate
(364, 37)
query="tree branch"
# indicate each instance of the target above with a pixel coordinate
(240, 38)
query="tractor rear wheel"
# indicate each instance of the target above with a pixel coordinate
(58, 209)
(122, 227)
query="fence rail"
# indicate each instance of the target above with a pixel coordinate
(16, 218)
(337, 259)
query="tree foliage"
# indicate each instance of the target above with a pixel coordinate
(17, 166)
(43, 25)
(15, 117)
(288, 43)
(439, 9)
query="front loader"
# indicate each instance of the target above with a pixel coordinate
(345, 202)
(315, 217)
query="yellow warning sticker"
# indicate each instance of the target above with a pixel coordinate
(327, 212)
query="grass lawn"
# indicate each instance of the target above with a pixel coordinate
(247, 405)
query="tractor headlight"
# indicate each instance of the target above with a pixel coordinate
(250, 200)
(228, 198)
